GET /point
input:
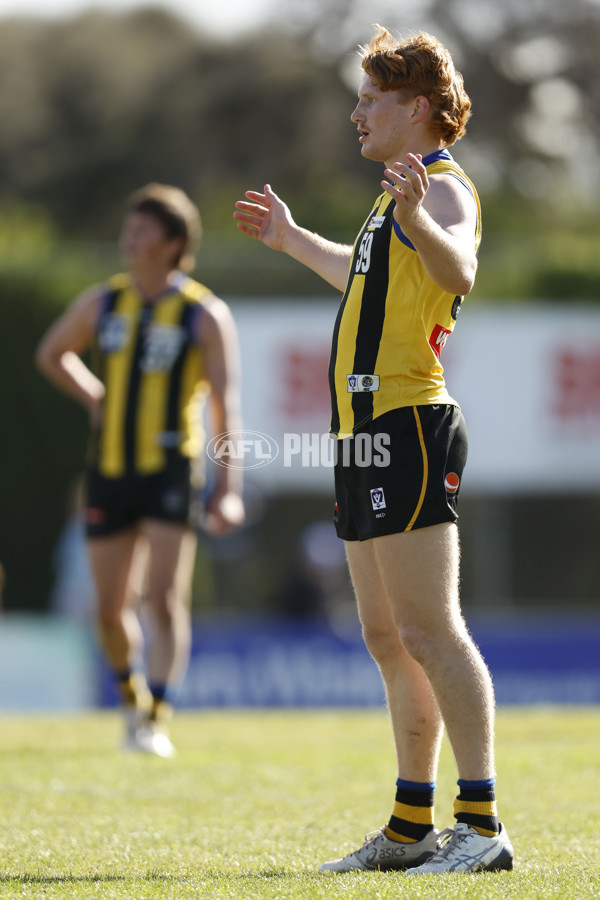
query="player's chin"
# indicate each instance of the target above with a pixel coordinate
(371, 153)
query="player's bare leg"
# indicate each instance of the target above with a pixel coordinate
(416, 724)
(407, 592)
(118, 563)
(114, 559)
(414, 713)
(172, 554)
(419, 571)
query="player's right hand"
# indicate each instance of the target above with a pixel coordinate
(266, 218)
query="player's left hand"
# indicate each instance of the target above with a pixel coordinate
(407, 184)
(224, 513)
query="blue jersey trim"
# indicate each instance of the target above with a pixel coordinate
(400, 234)
(437, 154)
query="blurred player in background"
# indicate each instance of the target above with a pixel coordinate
(160, 343)
(403, 281)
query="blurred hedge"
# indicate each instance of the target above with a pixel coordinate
(42, 447)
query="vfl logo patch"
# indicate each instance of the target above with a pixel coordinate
(377, 498)
(438, 338)
(451, 482)
(375, 222)
(357, 383)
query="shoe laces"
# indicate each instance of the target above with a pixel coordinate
(449, 840)
(370, 838)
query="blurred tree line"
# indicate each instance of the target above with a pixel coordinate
(95, 106)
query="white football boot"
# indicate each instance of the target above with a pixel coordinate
(462, 849)
(144, 736)
(380, 853)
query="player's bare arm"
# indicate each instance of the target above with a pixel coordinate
(265, 217)
(439, 217)
(58, 354)
(218, 338)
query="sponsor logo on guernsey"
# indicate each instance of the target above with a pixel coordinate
(451, 482)
(375, 222)
(377, 498)
(162, 345)
(357, 383)
(113, 332)
(438, 338)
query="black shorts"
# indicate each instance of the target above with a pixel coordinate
(415, 484)
(114, 504)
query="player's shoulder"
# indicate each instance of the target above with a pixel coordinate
(193, 291)
(119, 282)
(449, 173)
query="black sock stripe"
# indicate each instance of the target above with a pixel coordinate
(414, 798)
(483, 796)
(408, 829)
(489, 823)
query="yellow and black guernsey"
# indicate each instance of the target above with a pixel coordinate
(393, 320)
(148, 358)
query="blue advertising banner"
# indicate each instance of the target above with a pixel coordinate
(288, 664)
(306, 664)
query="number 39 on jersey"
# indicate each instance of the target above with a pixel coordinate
(363, 259)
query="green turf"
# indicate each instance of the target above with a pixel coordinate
(254, 801)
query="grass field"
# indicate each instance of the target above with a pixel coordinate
(255, 800)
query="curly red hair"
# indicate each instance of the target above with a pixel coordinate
(420, 65)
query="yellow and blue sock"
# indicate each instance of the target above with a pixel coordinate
(476, 806)
(412, 817)
(133, 689)
(161, 710)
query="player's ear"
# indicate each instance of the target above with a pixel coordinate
(178, 246)
(421, 108)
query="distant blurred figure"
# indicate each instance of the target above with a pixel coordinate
(160, 344)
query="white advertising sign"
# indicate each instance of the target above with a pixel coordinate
(526, 377)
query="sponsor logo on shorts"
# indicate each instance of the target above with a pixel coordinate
(95, 515)
(173, 501)
(377, 498)
(438, 338)
(451, 482)
(358, 383)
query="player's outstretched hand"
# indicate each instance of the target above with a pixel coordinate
(265, 218)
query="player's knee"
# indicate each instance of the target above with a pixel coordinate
(108, 617)
(417, 642)
(381, 643)
(165, 607)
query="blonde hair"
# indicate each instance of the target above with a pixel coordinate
(420, 65)
(178, 215)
